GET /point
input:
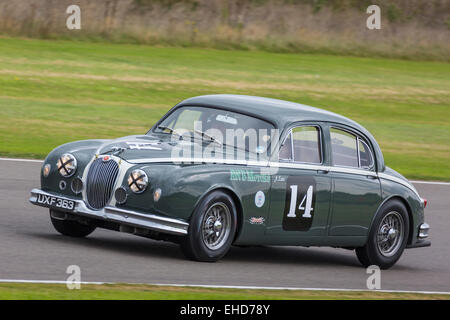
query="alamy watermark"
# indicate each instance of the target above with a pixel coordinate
(374, 280)
(73, 281)
(73, 21)
(374, 20)
(231, 146)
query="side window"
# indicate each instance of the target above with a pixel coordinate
(286, 149)
(344, 148)
(306, 144)
(302, 145)
(365, 155)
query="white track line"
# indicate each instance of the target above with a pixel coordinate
(21, 160)
(412, 181)
(430, 182)
(48, 281)
(228, 287)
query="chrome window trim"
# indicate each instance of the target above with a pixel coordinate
(304, 166)
(353, 171)
(292, 146)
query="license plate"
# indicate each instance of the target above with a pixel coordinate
(55, 202)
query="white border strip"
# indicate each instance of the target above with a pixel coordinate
(229, 287)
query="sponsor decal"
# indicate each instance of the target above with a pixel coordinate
(260, 198)
(257, 220)
(144, 145)
(248, 176)
(279, 179)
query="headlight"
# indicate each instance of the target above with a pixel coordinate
(67, 165)
(138, 181)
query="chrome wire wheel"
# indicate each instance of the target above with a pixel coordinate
(216, 226)
(390, 234)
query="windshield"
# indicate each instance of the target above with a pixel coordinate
(219, 126)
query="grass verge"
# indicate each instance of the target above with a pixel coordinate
(21, 291)
(52, 92)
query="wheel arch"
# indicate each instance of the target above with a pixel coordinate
(236, 200)
(408, 210)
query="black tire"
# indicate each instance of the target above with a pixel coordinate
(371, 253)
(71, 228)
(194, 246)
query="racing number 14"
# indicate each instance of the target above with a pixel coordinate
(308, 198)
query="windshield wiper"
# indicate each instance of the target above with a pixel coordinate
(211, 138)
(115, 151)
(166, 128)
(171, 131)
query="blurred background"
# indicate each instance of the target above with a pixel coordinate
(134, 59)
(411, 28)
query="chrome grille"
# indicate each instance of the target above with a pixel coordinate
(100, 182)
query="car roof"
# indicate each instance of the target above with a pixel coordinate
(279, 112)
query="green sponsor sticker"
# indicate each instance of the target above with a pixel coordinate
(248, 176)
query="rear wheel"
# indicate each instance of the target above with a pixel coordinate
(70, 228)
(212, 228)
(387, 237)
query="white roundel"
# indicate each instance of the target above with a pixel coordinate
(260, 198)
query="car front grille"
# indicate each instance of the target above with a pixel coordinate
(100, 182)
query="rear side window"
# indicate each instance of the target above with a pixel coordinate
(365, 155)
(344, 148)
(348, 150)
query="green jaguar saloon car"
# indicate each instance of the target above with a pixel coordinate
(223, 170)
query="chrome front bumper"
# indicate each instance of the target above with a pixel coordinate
(424, 228)
(120, 216)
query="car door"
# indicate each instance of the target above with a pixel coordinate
(300, 190)
(356, 187)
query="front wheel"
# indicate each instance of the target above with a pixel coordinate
(387, 237)
(212, 228)
(71, 228)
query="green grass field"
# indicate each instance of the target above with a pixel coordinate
(20, 291)
(52, 92)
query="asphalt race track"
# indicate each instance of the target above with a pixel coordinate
(30, 249)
